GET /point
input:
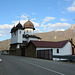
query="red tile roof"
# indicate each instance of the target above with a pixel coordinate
(49, 44)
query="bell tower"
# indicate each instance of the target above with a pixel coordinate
(29, 28)
(29, 31)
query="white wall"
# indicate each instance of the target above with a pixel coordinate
(33, 39)
(17, 36)
(29, 31)
(20, 32)
(24, 39)
(66, 50)
(14, 37)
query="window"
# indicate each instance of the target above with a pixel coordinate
(24, 32)
(20, 32)
(57, 50)
(27, 31)
(24, 41)
(15, 33)
(51, 50)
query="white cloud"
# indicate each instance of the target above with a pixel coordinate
(60, 30)
(24, 17)
(73, 4)
(33, 13)
(0, 34)
(24, 21)
(35, 24)
(1, 31)
(21, 21)
(72, 7)
(4, 32)
(6, 26)
(47, 19)
(62, 19)
(56, 26)
(59, 3)
(33, 19)
(37, 30)
(60, 25)
(66, 0)
(63, 12)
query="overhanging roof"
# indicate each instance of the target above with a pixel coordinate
(50, 44)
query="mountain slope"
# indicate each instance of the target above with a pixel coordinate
(4, 45)
(57, 35)
(47, 36)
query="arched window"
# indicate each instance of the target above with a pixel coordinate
(20, 32)
(51, 50)
(27, 31)
(24, 32)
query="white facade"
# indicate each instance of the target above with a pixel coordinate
(28, 31)
(30, 38)
(14, 37)
(66, 50)
(17, 36)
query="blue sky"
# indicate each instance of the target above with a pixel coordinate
(46, 15)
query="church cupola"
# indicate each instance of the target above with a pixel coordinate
(29, 24)
(29, 28)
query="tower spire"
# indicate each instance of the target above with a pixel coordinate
(29, 18)
(19, 20)
(14, 24)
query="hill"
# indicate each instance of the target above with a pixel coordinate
(47, 36)
(4, 45)
(58, 35)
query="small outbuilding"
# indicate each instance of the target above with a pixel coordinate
(46, 49)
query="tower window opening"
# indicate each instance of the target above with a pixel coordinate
(24, 32)
(20, 32)
(27, 31)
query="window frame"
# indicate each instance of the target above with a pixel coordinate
(20, 32)
(57, 50)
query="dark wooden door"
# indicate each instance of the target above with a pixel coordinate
(51, 54)
(23, 51)
(45, 54)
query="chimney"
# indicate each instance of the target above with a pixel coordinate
(72, 46)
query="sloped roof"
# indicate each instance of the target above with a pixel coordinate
(49, 44)
(33, 36)
(13, 29)
(19, 26)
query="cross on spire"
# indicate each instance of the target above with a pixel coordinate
(29, 18)
(19, 20)
(14, 24)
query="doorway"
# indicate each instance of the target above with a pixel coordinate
(45, 54)
(22, 51)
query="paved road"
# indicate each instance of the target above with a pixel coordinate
(16, 65)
